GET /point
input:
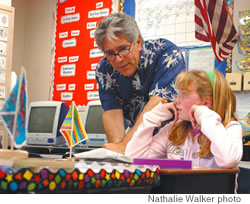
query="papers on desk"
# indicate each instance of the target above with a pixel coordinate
(121, 167)
(244, 164)
(103, 154)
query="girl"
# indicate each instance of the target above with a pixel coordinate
(205, 128)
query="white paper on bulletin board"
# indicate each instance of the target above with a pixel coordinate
(170, 19)
(2, 92)
(4, 19)
(201, 58)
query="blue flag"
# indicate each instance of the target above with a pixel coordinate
(16, 104)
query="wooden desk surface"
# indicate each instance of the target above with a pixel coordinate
(197, 180)
(198, 171)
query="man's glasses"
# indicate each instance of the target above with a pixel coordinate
(123, 53)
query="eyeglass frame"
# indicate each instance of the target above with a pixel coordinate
(118, 53)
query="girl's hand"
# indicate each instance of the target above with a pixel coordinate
(172, 108)
(194, 123)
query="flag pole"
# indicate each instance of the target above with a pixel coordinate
(72, 127)
(17, 108)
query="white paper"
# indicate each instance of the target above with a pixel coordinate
(4, 20)
(69, 43)
(2, 92)
(2, 77)
(72, 87)
(4, 34)
(92, 95)
(68, 70)
(90, 74)
(73, 59)
(95, 53)
(91, 25)
(88, 86)
(103, 154)
(62, 59)
(63, 35)
(70, 10)
(99, 5)
(75, 32)
(92, 33)
(98, 13)
(3, 63)
(70, 18)
(61, 87)
(3, 48)
(201, 59)
(66, 96)
(170, 19)
(93, 66)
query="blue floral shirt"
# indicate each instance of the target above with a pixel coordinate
(161, 61)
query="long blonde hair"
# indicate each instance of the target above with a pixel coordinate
(223, 102)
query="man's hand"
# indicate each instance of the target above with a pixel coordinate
(111, 117)
(115, 147)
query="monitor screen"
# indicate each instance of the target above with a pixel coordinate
(94, 123)
(41, 119)
(44, 122)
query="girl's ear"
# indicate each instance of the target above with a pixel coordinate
(208, 101)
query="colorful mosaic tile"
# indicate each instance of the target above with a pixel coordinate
(26, 181)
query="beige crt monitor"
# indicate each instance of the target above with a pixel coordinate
(92, 123)
(44, 121)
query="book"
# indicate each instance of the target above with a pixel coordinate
(164, 163)
(104, 155)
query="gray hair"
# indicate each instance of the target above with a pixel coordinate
(117, 24)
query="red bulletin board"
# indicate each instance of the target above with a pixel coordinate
(75, 52)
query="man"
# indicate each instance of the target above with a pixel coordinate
(133, 76)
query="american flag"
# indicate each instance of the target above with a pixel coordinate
(213, 23)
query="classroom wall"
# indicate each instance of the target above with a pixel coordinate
(19, 34)
(33, 32)
(243, 102)
(5, 2)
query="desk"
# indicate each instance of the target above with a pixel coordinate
(244, 177)
(47, 149)
(192, 181)
(86, 177)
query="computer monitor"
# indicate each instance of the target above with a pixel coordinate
(44, 121)
(92, 122)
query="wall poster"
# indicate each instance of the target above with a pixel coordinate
(75, 53)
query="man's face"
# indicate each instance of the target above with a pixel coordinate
(126, 65)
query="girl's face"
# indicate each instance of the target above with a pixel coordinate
(184, 102)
